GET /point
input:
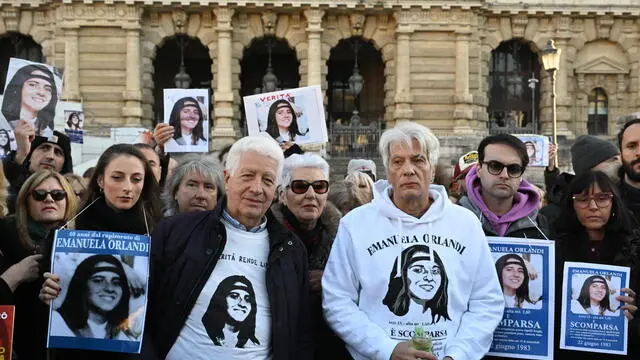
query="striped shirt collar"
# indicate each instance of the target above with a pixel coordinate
(236, 224)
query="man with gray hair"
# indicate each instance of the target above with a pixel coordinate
(411, 259)
(231, 283)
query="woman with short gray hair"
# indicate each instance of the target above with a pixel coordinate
(304, 210)
(195, 185)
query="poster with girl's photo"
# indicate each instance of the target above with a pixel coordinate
(73, 121)
(592, 318)
(293, 115)
(104, 279)
(187, 110)
(31, 93)
(7, 142)
(537, 149)
(526, 272)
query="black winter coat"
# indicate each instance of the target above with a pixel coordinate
(184, 252)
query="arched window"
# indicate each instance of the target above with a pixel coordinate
(597, 122)
(18, 46)
(513, 101)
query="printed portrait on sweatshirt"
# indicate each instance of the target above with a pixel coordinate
(596, 296)
(514, 276)
(230, 319)
(418, 279)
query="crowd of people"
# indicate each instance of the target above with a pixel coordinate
(257, 254)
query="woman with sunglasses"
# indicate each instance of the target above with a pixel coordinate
(45, 202)
(304, 210)
(122, 197)
(595, 227)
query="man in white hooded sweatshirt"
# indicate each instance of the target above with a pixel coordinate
(411, 259)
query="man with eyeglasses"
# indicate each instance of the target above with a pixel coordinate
(505, 203)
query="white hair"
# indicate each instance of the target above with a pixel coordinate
(299, 161)
(262, 144)
(404, 132)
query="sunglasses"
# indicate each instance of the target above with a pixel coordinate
(301, 186)
(602, 200)
(496, 167)
(40, 195)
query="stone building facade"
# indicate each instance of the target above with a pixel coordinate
(437, 56)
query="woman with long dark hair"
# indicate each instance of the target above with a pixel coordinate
(282, 122)
(594, 226)
(97, 302)
(74, 122)
(187, 120)
(230, 319)
(593, 298)
(419, 278)
(514, 280)
(31, 95)
(5, 143)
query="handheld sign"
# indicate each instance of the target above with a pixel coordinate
(109, 271)
(187, 110)
(7, 315)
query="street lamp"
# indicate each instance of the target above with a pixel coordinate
(532, 85)
(356, 82)
(182, 80)
(551, 63)
(269, 80)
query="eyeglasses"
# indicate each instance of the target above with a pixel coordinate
(496, 167)
(301, 186)
(40, 195)
(602, 199)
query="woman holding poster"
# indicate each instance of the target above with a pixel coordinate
(121, 197)
(595, 227)
(31, 95)
(282, 122)
(514, 280)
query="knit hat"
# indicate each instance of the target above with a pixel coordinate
(464, 164)
(363, 165)
(589, 151)
(59, 139)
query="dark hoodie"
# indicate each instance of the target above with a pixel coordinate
(17, 174)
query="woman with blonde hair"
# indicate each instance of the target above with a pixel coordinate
(45, 202)
(364, 184)
(78, 183)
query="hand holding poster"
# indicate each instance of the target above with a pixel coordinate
(537, 149)
(591, 316)
(109, 272)
(526, 273)
(293, 115)
(187, 110)
(31, 94)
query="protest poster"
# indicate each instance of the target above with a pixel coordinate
(187, 110)
(7, 315)
(110, 272)
(31, 93)
(591, 316)
(293, 115)
(537, 149)
(73, 117)
(526, 271)
(7, 141)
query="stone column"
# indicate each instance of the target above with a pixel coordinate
(463, 100)
(564, 101)
(132, 111)
(223, 132)
(403, 98)
(314, 46)
(71, 65)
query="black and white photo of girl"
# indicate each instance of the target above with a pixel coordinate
(282, 122)
(418, 279)
(230, 319)
(99, 302)
(74, 125)
(188, 119)
(514, 277)
(7, 142)
(594, 298)
(31, 94)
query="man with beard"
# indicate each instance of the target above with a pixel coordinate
(629, 142)
(587, 153)
(505, 203)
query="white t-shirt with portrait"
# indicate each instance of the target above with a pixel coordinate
(227, 326)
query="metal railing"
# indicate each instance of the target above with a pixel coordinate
(508, 124)
(354, 139)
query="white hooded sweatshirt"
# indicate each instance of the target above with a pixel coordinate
(390, 272)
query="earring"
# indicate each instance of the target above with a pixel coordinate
(101, 190)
